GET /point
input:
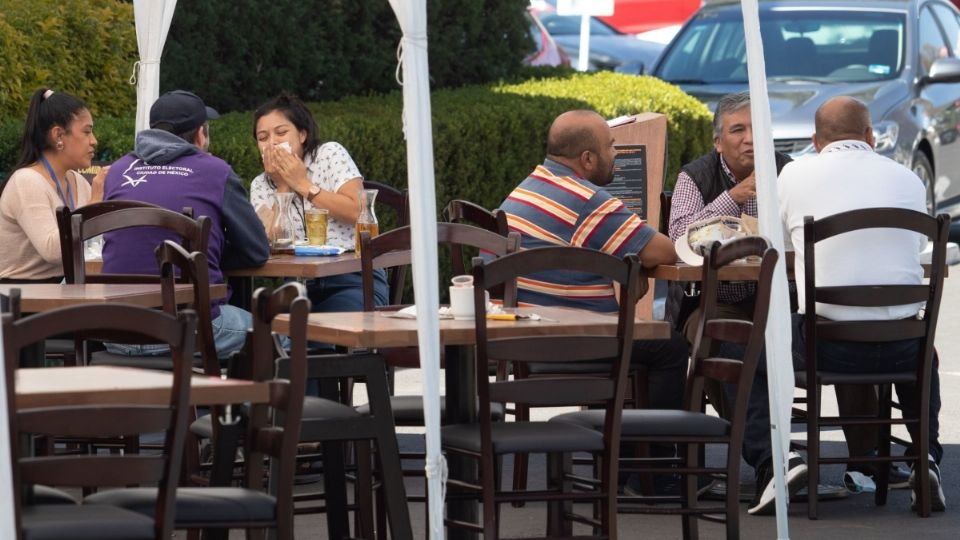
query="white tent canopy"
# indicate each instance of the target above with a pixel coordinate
(412, 15)
(778, 335)
(153, 23)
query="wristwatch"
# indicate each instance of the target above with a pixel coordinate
(313, 192)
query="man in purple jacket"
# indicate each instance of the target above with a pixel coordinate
(170, 167)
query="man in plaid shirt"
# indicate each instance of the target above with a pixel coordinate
(721, 183)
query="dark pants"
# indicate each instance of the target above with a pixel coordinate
(844, 357)
(666, 361)
(344, 292)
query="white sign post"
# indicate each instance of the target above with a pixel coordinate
(586, 9)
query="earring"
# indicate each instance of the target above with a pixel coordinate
(59, 145)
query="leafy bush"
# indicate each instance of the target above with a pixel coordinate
(327, 49)
(84, 47)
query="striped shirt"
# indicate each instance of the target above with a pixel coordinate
(553, 206)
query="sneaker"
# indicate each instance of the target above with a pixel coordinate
(763, 501)
(938, 503)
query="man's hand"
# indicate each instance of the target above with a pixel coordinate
(745, 190)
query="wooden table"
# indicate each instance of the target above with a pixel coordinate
(376, 329)
(101, 385)
(742, 270)
(37, 297)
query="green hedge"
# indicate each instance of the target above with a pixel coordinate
(84, 47)
(486, 139)
(238, 53)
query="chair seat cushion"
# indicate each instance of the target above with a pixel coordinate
(832, 377)
(644, 422)
(314, 408)
(161, 362)
(408, 410)
(43, 495)
(536, 437)
(76, 522)
(567, 368)
(196, 505)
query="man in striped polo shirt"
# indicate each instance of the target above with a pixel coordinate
(562, 202)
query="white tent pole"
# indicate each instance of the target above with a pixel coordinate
(7, 527)
(412, 15)
(153, 19)
(778, 334)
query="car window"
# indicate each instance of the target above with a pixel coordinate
(564, 25)
(951, 26)
(932, 45)
(821, 45)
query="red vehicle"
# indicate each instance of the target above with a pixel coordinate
(635, 16)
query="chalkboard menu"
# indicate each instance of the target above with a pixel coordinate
(630, 178)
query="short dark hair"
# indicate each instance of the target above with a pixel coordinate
(728, 104)
(47, 109)
(297, 113)
(571, 141)
(190, 135)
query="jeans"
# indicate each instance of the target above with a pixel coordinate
(229, 334)
(844, 357)
(344, 292)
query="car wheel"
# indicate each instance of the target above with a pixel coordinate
(923, 169)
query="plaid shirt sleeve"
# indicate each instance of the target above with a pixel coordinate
(687, 206)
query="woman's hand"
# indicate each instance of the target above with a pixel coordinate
(287, 169)
(96, 185)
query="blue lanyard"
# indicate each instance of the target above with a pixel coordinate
(68, 200)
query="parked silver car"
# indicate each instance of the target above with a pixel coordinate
(900, 57)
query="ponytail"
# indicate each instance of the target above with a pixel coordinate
(47, 109)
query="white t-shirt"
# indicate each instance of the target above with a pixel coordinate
(330, 167)
(849, 175)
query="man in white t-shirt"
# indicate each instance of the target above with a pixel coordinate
(847, 175)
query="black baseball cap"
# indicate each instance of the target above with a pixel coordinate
(182, 111)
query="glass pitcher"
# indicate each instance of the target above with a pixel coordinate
(282, 232)
(367, 222)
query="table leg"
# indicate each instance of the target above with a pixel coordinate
(241, 291)
(226, 438)
(461, 392)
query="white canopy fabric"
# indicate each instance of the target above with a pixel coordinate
(778, 335)
(7, 528)
(153, 23)
(412, 15)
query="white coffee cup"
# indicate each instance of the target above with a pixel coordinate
(461, 302)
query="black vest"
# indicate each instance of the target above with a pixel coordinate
(707, 174)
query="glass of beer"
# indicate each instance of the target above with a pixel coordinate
(316, 222)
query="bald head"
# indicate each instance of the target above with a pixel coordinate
(583, 141)
(842, 118)
(575, 132)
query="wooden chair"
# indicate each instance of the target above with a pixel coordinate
(99, 470)
(398, 201)
(691, 428)
(814, 231)
(194, 234)
(486, 440)
(468, 213)
(273, 431)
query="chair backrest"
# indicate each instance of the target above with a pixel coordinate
(99, 218)
(454, 235)
(110, 322)
(398, 201)
(569, 390)
(466, 212)
(192, 268)
(711, 361)
(936, 229)
(274, 428)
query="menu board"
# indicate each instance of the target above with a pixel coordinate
(630, 178)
